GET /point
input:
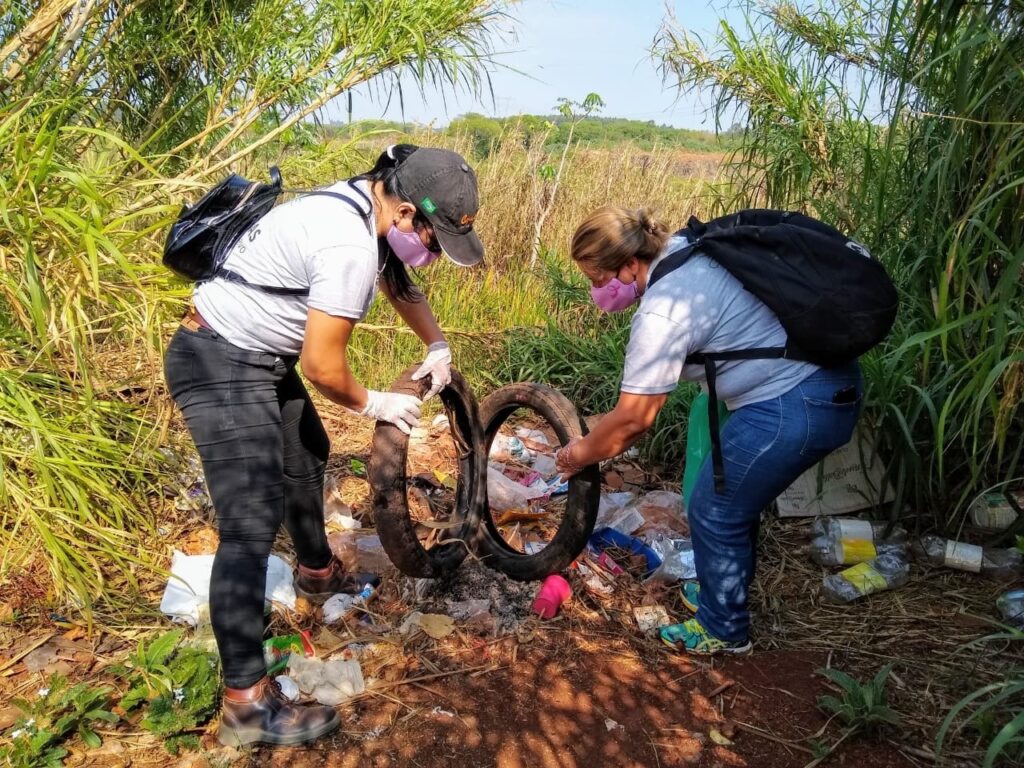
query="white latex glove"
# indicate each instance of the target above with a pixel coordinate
(438, 366)
(401, 410)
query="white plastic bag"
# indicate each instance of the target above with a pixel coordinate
(504, 494)
(617, 511)
(188, 588)
(677, 562)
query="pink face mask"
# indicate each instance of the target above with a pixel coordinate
(615, 295)
(409, 248)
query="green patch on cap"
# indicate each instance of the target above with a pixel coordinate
(428, 205)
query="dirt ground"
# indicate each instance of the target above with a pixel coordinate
(560, 705)
(586, 689)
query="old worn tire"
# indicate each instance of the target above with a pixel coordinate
(584, 489)
(387, 476)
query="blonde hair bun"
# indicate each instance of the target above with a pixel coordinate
(612, 235)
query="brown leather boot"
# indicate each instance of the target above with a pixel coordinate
(261, 714)
(318, 584)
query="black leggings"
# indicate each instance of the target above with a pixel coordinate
(264, 451)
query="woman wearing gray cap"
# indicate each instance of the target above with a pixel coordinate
(292, 290)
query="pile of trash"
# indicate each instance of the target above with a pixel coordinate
(638, 539)
(878, 556)
(522, 483)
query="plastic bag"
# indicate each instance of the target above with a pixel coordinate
(698, 440)
(505, 494)
(188, 588)
(676, 560)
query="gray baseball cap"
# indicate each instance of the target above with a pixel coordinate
(443, 188)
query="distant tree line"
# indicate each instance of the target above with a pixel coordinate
(553, 129)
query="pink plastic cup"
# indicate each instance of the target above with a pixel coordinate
(552, 593)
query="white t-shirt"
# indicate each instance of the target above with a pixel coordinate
(701, 307)
(313, 241)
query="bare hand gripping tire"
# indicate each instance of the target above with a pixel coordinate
(584, 489)
(387, 476)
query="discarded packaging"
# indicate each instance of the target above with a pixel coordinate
(193, 496)
(845, 541)
(434, 625)
(340, 521)
(475, 615)
(677, 563)
(278, 650)
(994, 511)
(505, 494)
(329, 682)
(288, 687)
(594, 581)
(359, 551)
(204, 638)
(533, 439)
(545, 466)
(603, 560)
(624, 518)
(664, 522)
(510, 448)
(1004, 564)
(1011, 606)
(608, 537)
(554, 591)
(189, 586)
(651, 617)
(886, 571)
(850, 478)
(342, 606)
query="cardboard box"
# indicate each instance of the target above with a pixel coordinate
(847, 480)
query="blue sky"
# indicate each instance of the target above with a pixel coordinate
(569, 48)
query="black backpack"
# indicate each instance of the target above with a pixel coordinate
(204, 233)
(834, 300)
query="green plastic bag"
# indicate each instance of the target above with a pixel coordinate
(698, 441)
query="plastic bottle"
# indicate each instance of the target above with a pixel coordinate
(996, 563)
(886, 571)
(845, 541)
(510, 448)
(994, 512)
(1011, 606)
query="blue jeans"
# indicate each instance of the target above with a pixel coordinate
(765, 447)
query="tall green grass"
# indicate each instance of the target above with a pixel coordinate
(903, 123)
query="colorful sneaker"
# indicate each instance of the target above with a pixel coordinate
(688, 593)
(693, 638)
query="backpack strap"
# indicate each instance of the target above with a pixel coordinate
(275, 290)
(363, 214)
(674, 260)
(710, 360)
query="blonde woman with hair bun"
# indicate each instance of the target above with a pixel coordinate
(785, 414)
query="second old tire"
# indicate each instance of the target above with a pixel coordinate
(584, 489)
(388, 480)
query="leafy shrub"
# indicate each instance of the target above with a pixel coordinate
(861, 706)
(176, 687)
(59, 712)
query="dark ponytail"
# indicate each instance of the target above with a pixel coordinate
(393, 272)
